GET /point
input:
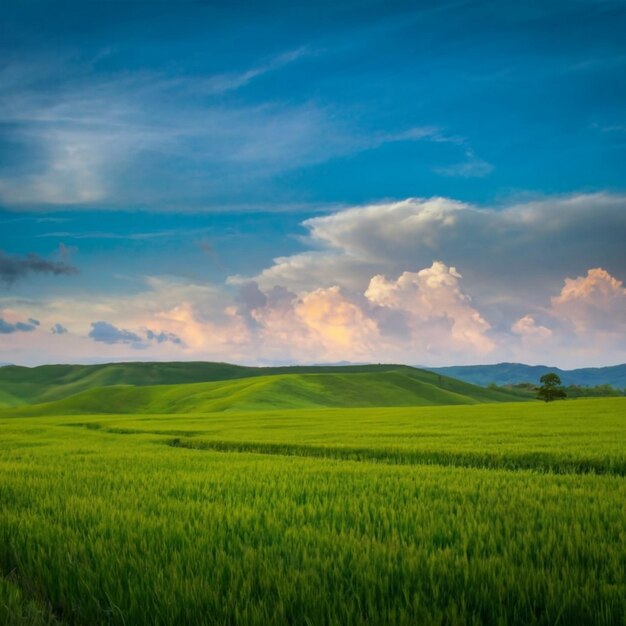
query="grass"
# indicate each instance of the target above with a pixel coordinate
(578, 436)
(281, 391)
(18, 609)
(477, 514)
(49, 383)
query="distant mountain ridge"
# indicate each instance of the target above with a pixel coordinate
(511, 373)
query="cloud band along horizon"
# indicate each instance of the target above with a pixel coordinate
(376, 284)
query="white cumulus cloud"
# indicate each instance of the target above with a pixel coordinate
(437, 311)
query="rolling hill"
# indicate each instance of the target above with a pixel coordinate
(512, 373)
(208, 387)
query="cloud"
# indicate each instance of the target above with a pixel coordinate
(163, 336)
(584, 321)
(73, 174)
(418, 316)
(58, 329)
(8, 328)
(108, 333)
(223, 83)
(425, 316)
(509, 256)
(472, 167)
(432, 281)
(173, 233)
(103, 141)
(438, 313)
(528, 328)
(149, 140)
(609, 128)
(593, 303)
(249, 300)
(13, 268)
(105, 332)
(320, 324)
(338, 324)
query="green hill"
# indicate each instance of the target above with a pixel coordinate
(24, 385)
(19, 385)
(352, 386)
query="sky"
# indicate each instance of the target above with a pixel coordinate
(430, 183)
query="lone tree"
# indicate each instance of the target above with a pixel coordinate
(551, 388)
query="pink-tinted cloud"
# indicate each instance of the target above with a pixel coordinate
(339, 324)
(593, 303)
(584, 324)
(530, 331)
(424, 316)
(438, 313)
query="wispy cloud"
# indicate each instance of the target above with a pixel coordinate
(223, 83)
(609, 128)
(145, 236)
(145, 140)
(13, 268)
(472, 167)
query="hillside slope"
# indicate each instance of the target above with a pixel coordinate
(23, 385)
(403, 387)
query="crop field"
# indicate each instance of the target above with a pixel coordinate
(502, 513)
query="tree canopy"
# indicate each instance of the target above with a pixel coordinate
(551, 388)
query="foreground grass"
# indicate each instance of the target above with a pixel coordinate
(18, 609)
(107, 524)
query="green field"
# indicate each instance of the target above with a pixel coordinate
(305, 497)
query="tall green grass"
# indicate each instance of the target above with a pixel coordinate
(103, 522)
(17, 608)
(578, 436)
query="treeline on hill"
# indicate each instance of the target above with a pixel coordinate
(530, 390)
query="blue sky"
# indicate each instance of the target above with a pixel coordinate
(198, 142)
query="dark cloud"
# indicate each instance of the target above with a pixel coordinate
(251, 301)
(6, 328)
(164, 337)
(14, 267)
(58, 329)
(249, 298)
(107, 333)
